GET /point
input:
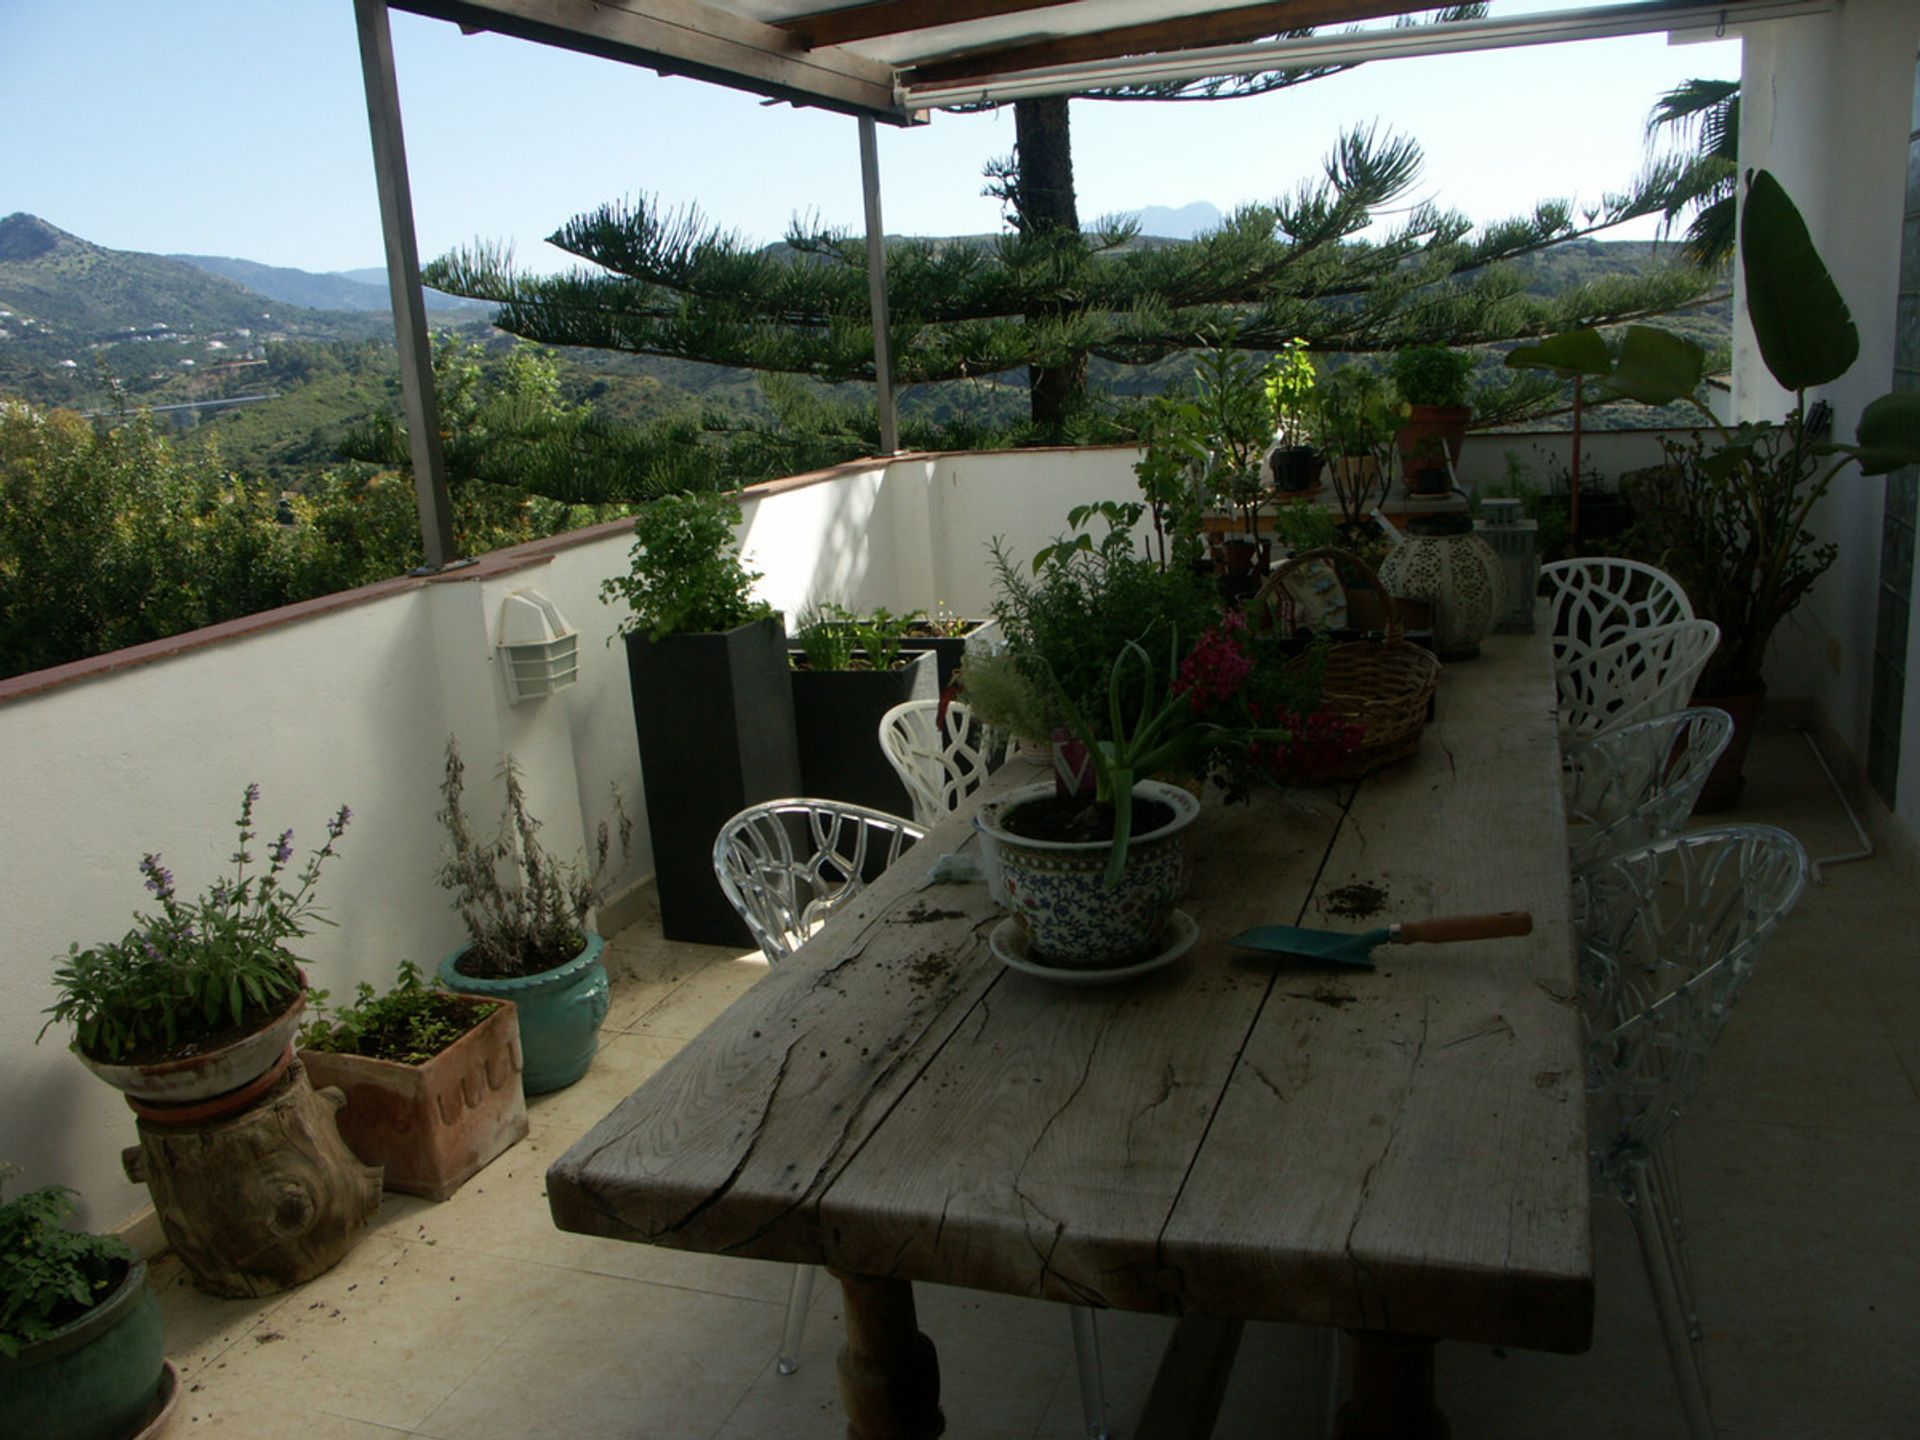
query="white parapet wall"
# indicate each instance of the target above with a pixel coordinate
(350, 700)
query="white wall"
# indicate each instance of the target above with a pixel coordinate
(1827, 101)
(355, 705)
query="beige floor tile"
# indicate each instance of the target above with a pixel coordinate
(646, 970)
(992, 1386)
(387, 1335)
(200, 1327)
(697, 1003)
(622, 1063)
(602, 1358)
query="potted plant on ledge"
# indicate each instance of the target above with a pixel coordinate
(712, 704)
(1432, 384)
(80, 1333)
(528, 937)
(432, 1080)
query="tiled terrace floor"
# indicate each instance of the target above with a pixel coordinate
(476, 1319)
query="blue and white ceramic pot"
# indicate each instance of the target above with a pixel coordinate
(560, 1013)
(1058, 888)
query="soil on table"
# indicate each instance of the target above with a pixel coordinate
(1074, 820)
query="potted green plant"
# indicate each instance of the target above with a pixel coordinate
(1294, 460)
(848, 670)
(1358, 423)
(1234, 421)
(712, 702)
(1432, 384)
(432, 1079)
(1727, 515)
(80, 1331)
(201, 998)
(528, 938)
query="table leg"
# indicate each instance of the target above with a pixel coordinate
(1392, 1390)
(889, 1372)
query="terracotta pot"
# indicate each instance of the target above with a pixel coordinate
(1727, 778)
(433, 1126)
(201, 1077)
(1432, 436)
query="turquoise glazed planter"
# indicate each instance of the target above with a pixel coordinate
(560, 1013)
(93, 1379)
(1058, 889)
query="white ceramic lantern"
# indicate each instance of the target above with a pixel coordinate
(1445, 562)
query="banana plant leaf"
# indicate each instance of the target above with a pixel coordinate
(1889, 433)
(1807, 337)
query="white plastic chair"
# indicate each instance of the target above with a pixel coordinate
(1600, 599)
(786, 865)
(1644, 674)
(940, 756)
(1637, 784)
(1669, 934)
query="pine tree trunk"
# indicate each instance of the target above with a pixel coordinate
(1045, 206)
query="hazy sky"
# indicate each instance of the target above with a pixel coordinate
(238, 127)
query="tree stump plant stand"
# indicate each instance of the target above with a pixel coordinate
(261, 1200)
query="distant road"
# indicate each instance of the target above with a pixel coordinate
(194, 405)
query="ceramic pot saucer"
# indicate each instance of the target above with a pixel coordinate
(1009, 945)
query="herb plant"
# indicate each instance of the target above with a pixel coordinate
(50, 1275)
(835, 638)
(685, 572)
(537, 921)
(1432, 375)
(201, 966)
(826, 639)
(410, 1024)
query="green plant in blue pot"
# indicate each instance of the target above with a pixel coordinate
(80, 1333)
(527, 921)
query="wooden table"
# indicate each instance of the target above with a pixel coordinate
(1398, 1152)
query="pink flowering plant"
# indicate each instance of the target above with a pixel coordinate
(197, 970)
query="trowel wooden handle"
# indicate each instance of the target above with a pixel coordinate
(1464, 927)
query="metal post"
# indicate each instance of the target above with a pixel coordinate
(403, 281)
(877, 286)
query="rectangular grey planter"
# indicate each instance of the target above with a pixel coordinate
(836, 715)
(714, 714)
(952, 649)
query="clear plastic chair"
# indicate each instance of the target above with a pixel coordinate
(786, 865)
(1637, 784)
(1668, 935)
(1644, 674)
(941, 755)
(1597, 600)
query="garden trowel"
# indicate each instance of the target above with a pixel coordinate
(1346, 948)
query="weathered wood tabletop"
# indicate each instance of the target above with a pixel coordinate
(1397, 1151)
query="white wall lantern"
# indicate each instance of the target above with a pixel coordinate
(539, 651)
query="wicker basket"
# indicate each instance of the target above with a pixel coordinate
(1384, 685)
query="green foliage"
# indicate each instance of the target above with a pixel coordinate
(1087, 600)
(1431, 375)
(685, 572)
(50, 1275)
(199, 966)
(1007, 699)
(826, 639)
(1358, 421)
(409, 1025)
(537, 921)
(1291, 378)
(1234, 415)
(833, 637)
(1302, 525)
(1730, 519)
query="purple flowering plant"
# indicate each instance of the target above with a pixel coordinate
(196, 969)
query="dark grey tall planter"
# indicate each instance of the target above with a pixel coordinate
(714, 713)
(837, 714)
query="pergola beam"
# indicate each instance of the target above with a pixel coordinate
(680, 37)
(417, 396)
(899, 17)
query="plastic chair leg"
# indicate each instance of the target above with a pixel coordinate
(798, 1299)
(1086, 1354)
(1683, 1348)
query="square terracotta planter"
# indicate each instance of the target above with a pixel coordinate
(433, 1126)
